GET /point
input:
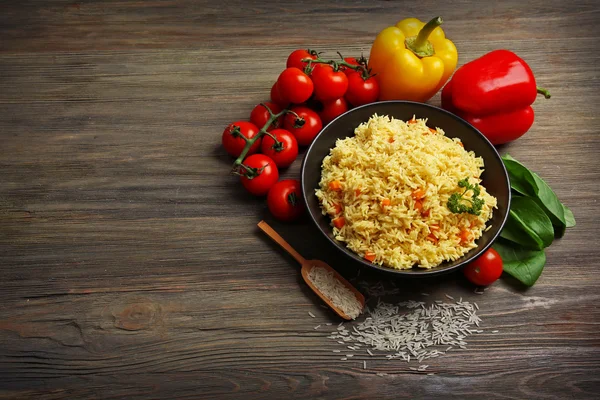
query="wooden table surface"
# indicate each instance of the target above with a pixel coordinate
(130, 262)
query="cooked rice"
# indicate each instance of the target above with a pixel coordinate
(391, 159)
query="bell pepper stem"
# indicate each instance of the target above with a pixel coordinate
(420, 44)
(543, 91)
(426, 31)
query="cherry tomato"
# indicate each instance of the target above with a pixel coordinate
(296, 57)
(284, 154)
(260, 115)
(352, 60)
(294, 86)
(329, 84)
(349, 60)
(276, 98)
(333, 109)
(315, 67)
(259, 175)
(234, 143)
(311, 127)
(486, 269)
(361, 91)
(285, 200)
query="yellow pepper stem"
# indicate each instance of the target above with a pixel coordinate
(420, 44)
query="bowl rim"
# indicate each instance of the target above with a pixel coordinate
(422, 273)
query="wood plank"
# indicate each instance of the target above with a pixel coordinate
(66, 25)
(130, 261)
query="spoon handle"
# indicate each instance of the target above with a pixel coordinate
(266, 228)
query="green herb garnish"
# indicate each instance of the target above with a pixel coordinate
(458, 203)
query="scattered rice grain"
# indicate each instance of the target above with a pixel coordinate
(411, 330)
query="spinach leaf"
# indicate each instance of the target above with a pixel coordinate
(528, 225)
(515, 233)
(528, 183)
(520, 177)
(525, 265)
(569, 217)
(536, 215)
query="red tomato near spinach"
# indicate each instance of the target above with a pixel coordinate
(285, 200)
(333, 109)
(309, 128)
(260, 115)
(232, 137)
(283, 154)
(486, 269)
(361, 91)
(259, 174)
(329, 84)
(294, 86)
(296, 57)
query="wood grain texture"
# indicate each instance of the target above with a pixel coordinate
(130, 261)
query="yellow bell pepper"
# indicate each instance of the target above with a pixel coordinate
(412, 60)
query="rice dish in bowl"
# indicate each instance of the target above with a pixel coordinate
(387, 191)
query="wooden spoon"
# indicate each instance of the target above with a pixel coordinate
(307, 265)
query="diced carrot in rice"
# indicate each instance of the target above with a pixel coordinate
(370, 256)
(339, 222)
(336, 186)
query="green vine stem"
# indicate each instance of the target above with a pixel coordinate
(237, 164)
(335, 64)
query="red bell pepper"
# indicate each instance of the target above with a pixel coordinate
(494, 93)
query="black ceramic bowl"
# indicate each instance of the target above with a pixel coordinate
(495, 178)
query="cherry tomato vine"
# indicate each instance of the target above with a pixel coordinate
(337, 65)
(250, 172)
(309, 92)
